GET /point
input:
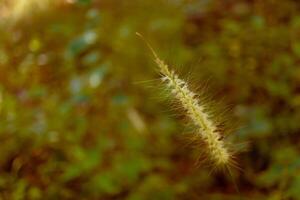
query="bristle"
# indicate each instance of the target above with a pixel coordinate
(208, 131)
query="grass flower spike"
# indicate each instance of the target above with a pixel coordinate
(208, 131)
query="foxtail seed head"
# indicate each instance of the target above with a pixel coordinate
(208, 131)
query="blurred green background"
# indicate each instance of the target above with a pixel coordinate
(80, 116)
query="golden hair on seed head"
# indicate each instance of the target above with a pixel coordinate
(195, 111)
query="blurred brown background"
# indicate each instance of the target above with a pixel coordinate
(78, 120)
